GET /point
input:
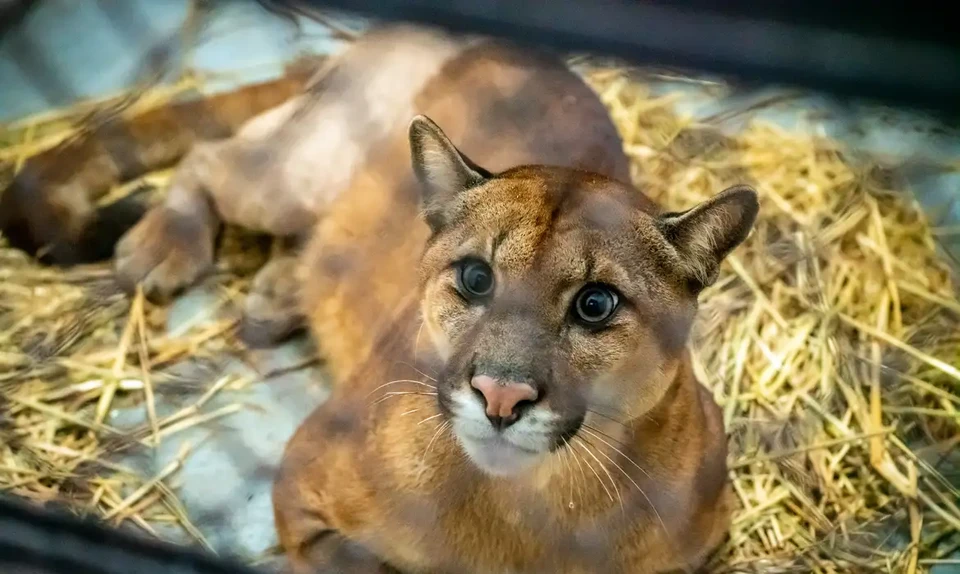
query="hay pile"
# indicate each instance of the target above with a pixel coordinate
(74, 349)
(831, 342)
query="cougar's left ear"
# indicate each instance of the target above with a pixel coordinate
(706, 234)
(443, 171)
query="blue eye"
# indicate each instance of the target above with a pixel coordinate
(595, 305)
(475, 279)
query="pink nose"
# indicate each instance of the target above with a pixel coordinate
(502, 398)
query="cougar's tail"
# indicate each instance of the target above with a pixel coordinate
(49, 209)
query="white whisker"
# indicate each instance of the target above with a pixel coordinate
(398, 381)
(426, 451)
(400, 394)
(630, 478)
(605, 435)
(429, 418)
(416, 343)
(564, 456)
(420, 372)
(620, 452)
(584, 446)
(583, 475)
(603, 484)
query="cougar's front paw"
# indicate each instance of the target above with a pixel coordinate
(271, 311)
(165, 253)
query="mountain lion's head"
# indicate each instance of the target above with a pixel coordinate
(556, 296)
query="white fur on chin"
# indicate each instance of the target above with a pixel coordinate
(498, 457)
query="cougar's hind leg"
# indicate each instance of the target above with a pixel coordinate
(271, 311)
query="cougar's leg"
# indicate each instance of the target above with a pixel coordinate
(300, 506)
(271, 311)
(332, 553)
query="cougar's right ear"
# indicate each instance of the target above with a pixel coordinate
(706, 234)
(442, 170)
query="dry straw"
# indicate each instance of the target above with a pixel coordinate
(73, 348)
(830, 341)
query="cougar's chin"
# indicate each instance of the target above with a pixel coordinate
(498, 456)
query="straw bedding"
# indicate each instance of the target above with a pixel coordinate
(831, 342)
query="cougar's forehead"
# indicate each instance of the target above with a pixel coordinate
(557, 230)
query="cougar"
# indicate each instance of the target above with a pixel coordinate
(504, 319)
(503, 316)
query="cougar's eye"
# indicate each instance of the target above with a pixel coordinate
(595, 304)
(475, 279)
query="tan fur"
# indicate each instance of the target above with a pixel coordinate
(375, 479)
